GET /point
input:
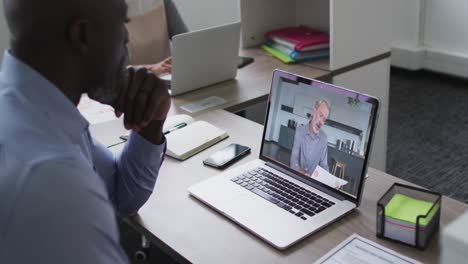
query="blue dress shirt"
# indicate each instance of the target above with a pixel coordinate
(60, 189)
(309, 150)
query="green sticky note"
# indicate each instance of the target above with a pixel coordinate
(405, 208)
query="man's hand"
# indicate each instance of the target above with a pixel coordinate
(161, 68)
(144, 101)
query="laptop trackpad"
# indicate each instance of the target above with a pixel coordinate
(244, 206)
(260, 216)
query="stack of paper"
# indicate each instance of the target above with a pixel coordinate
(357, 249)
(323, 176)
(297, 44)
(401, 217)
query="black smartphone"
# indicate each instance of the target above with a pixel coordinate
(243, 61)
(228, 155)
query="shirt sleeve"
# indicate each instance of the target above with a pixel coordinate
(137, 170)
(323, 162)
(63, 215)
(130, 175)
(324, 159)
(294, 163)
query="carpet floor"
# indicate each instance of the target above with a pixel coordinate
(428, 131)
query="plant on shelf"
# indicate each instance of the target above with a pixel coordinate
(353, 101)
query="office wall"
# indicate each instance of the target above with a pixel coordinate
(447, 25)
(4, 34)
(201, 14)
(256, 22)
(446, 36)
(139, 7)
(431, 34)
(407, 34)
(405, 24)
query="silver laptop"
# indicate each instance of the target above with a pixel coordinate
(204, 57)
(313, 161)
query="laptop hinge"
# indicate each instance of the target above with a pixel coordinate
(318, 186)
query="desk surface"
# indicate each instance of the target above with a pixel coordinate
(201, 235)
(190, 231)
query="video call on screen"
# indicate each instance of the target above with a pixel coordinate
(319, 133)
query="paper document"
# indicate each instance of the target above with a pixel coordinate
(358, 250)
(94, 111)
(203, 104)
(327, 178)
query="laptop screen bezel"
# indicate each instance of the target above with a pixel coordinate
(277, 74)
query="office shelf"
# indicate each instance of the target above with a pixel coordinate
(358, 30)
(360, 43)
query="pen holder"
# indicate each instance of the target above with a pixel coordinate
(408, 215)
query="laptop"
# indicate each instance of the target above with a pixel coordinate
(304, 178)
(204, 57)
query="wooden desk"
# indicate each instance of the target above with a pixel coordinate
(185, 227)
(191, 232)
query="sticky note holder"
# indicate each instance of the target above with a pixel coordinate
(408, 215)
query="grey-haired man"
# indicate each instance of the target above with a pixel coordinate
(310, 142)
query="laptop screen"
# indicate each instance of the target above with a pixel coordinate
(319, 131)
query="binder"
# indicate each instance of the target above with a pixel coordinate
(299, 38)
(295, 56)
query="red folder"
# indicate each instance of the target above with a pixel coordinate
(299, 38)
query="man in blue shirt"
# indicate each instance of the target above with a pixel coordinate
(310, 147)
(60, 189)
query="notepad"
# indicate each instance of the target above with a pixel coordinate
(407, 209)
(191, 138)
(401, 216)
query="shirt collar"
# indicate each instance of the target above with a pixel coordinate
(44, 96)
(313, 136)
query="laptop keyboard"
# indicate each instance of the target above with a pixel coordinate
(283, 193)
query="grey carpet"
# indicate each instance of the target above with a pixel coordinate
(428, 131)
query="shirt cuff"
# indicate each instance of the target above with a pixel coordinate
(138, 146)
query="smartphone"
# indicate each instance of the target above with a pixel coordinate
(243, 61)
(228, 155)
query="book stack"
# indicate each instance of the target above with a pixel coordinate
(297, 44)
(401, 218)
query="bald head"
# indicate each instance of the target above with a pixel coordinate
(78, 45)
(44, 22)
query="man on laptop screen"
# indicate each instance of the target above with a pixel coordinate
(310, 142)
(311, 167)
(316, 140)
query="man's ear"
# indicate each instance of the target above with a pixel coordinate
(78, 35)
